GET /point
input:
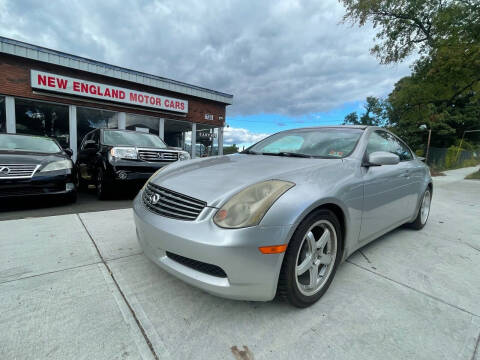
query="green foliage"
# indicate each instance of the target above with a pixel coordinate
(230, 149)
(474, 176)
(407, 26)
(443, 90)
(374, 114)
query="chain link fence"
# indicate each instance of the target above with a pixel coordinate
(453, 157)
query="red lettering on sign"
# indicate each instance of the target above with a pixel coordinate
(177, 104)
(133, 97)
(182, 106)
(92, 89)
(107, 92)
(84, 88)
(122, 94)
(158, 101)
(62, 83)
(99, 91)
(140, 98)
(152, 100)
(114, 93)
(146, 98)
(51, 81)
(76, 86)
(42, 80)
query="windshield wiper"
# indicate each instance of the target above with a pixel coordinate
(290, 154)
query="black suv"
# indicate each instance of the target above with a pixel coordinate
(110, 157)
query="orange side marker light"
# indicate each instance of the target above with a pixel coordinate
(276, 249)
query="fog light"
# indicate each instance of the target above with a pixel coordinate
(122, 175)
(69, 187)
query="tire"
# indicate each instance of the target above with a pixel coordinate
(295, 282)
(423, 211)
(102, 186)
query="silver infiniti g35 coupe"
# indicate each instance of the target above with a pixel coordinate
(282, 215)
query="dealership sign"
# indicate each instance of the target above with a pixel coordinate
(68, 85)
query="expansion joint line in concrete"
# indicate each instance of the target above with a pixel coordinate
(142, 330)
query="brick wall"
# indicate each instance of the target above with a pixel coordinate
(15, 81)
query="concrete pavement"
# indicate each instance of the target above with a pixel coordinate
(78, 286)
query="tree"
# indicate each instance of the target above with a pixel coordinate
(374, 114)
(407, 26)
(233, 149)
(443, 90)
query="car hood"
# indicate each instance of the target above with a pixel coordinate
(27, 157)
(215, 178)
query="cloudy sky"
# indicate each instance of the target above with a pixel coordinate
(288, 63)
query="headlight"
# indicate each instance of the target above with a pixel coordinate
(58, 165)
(249, 206)
(124, 153)
(183, 156)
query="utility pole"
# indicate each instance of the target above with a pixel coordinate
(428, 145)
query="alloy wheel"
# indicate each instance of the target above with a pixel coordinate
(316, 257)
(425, 207)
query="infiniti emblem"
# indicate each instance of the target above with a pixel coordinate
(153, 198)
(4, 170)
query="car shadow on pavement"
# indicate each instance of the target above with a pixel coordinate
(19, 208)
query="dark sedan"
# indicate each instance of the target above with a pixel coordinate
(111, 158)
(35, 166)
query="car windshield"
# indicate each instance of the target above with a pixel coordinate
(28, 143)
(324, 143)
(127, 138)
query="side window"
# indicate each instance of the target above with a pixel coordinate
(398, 148)
(383, 141)
(378, 141)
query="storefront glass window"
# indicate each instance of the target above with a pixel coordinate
(207, 140)
(3, 122)
(178, 134)
(45, 119)
(89, 119)
(142, 123)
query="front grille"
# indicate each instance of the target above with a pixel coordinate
(17, 171)
(205, 268)
(154, 155)
(171, 204)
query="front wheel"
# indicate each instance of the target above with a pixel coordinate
(423, 211)
(312, 257)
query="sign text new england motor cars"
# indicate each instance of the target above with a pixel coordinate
(68, 85)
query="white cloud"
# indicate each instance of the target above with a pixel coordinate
(241, 137)
(276, 56)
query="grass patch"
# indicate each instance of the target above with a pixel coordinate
(474, 176)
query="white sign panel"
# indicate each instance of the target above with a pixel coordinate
(68, 85)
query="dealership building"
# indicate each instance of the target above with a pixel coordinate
(51, 93)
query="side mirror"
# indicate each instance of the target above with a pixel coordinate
(90, 144)
(68, 151)
(379, 158)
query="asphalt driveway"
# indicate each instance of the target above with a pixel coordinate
(78, 286)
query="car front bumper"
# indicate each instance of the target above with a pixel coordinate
(250, 275)
(49, 183)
